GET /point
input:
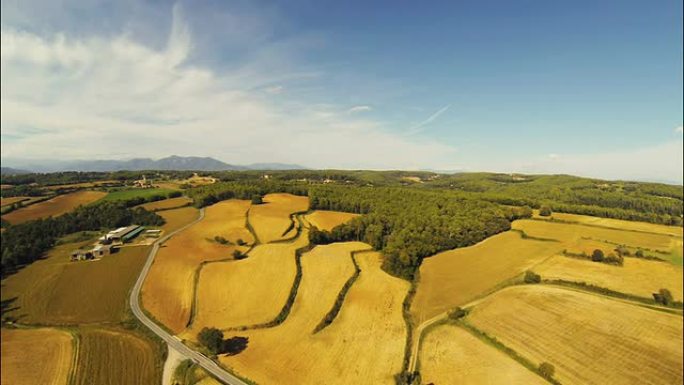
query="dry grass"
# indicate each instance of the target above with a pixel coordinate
(56, 291)
(53, 207)
(327, 220)
(588, 338)
(166, 204)
(11, 200)
(451, 355)
(168, 290)
(615, 223)
(637, 276)
(36, 356)
(455, 277)
(364, 345)
(82, 184)
(248, 291)
(177, 218)
(272, 218)
(114, 357)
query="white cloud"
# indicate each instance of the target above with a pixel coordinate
(420, 126)
(97, 97)
(553, 156)
(357, 109)
(275, 90)
(679, 129)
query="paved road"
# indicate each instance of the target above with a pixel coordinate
(209, 365)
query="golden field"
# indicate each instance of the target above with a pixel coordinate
(327, 220)
(637, 276)
(11, 200)
(455, 277)
(272, 218)
(56, 291)
(177, 218)
(451, 355)
(247, 291)
(370, 318)
(166, 204)
(615, 223)
(588, 338)
(169, 287)
(36, 356)
(115, 357)
(56, 206)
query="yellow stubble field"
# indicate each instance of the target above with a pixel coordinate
(166, 204)
(11, 200)
(272, 218)
(370, 320)
(56, 206)
(451, 355)
(36, 356)
(614, 223)
(169, 288)
(178, 218)
(327, 220)
(588, 338)
(455, 277)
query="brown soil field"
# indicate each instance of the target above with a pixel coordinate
(8, 201)
(246, 292)
(114, 357)
(637, 276)
(169, 288)
(455, 277)
(36, 356)
(370, 318)
(615, 223)
(327, 220)
(272, 218)
(53, 207)
(588, 338)
(166, 204)
(451, 355)
(56, 291)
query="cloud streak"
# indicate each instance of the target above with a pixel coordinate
(421, 126)
(357, 109)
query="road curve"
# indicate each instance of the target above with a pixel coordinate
(205, 362)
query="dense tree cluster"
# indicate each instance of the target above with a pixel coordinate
(26, 242)
(210, 194)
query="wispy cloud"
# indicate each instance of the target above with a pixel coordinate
(679, 129)
(357, 109)
(421, 126)
(275, 90)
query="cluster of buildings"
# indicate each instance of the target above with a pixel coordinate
(107, 243)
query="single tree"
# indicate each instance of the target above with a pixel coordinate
(237, 254)
(545, 211)
(532, 277)
(457, 313)
(212, 339)
(257, 200)
(597, 256)
(546, 370)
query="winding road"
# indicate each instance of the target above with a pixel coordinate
(174, 343)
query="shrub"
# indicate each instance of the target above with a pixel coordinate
(237, 254)
(546, 370)
(545, 211)
(174, 194)
(639, 253)
(614, 259)
(663, 296)
(221, 240)
(623, 251)
(211, 338)
(457, 313)
(241, 242)
(597, 256)
(257, 200)
(532, 277)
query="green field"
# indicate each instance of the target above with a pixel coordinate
(126, 194)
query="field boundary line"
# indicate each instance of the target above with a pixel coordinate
(563, 221)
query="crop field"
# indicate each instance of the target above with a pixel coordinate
(82, 184)
(247, 291)
(166, 204)
(455, 277)
(130, 193)
(615, 223)
(114, 357)
(11, 200)
(327, 220)
(56, 206)
(272, 218)
(451, 355)
(637, 276)
(588, 338)
(36, 356)
(56, 291)
(339, 354)
(169, 288)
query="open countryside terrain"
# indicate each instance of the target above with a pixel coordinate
(36, 356)
(167, 204)
(271, 220)
(58, 205)
(327, 220)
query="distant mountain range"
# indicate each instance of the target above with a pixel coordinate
(174, 162)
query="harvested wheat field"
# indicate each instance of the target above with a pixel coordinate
(588, 338)
(36, 356)
(455, 277)
(271, 220)
(11, 200)
(114, 357)
(637, 276)
(614, 223)
(56, 206)
(451, 355)
(247, 291)
(56, 291)
(169, 288)
(327, 220)
(177, 218)
(370, 317)
(166, 204)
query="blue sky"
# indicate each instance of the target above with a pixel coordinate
(583, 87)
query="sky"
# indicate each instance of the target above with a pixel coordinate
(582, 87)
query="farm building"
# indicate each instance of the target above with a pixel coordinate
(81, 255)
(102, 250)
(122, 234)
(152, 233)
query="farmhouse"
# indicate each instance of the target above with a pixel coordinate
(122, 234)
(81, 255)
